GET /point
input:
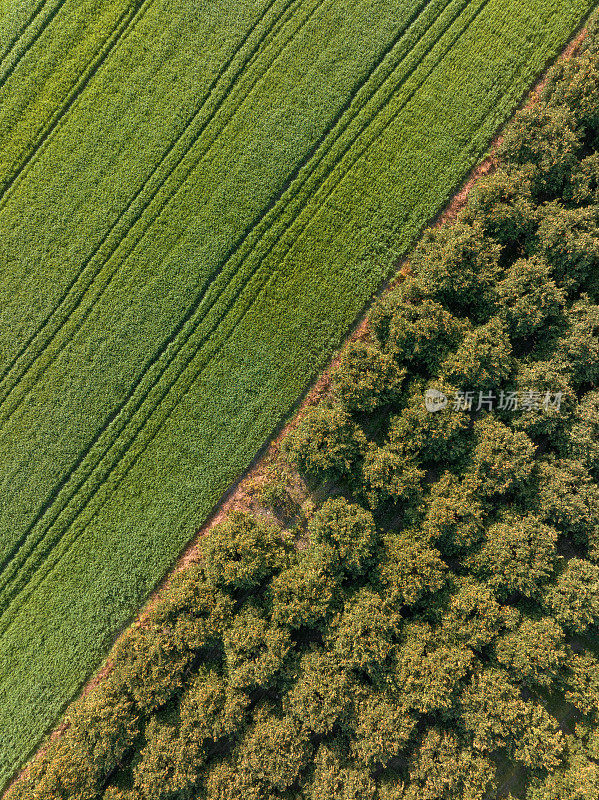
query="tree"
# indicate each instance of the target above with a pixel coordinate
(302, 595)
(455, 517)
(569, 242)
(533, 653)
(221, 782)
(574, 599)
(568, 499)
(387, 476)
(502, 203)
(542, 744)
(546, 137)
(429, 670)
(362, 637)
(165, 768)
(473, 616)
(321, 699)
(105, 723)
(101, 728)
(579, 781)
(70, 774)
(243, 551)
(574, 84)
(391, 787)
(349, 530)
(272, 754)
(410, 570)
(588, 732)
(502, 461)
(255, 649)
(417, 330)
(583, 436)
(327, 443)
(483, 361)
(114, 793)
(443, 768)
(334, 777)
(529, 298)
(493, 712)
(584, 183)
(429, 438)
(582, 684)
(546, 400)
(517, 557)
(579, 346)
(210, 710)
(458, 267)
(193, 612)
(366, 378)
(152, 664)
(381, 729)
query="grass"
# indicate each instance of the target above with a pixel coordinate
(194, 207)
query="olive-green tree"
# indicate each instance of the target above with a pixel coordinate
(569, 242)
(429, 670)
(366, 377)
(533, 653)
(493, 712)
(302, 594)
(349, 529)
(327, 443)
(583, 435)
(517, 557)
(502, 203)
(567, 498)
(255, 649)
(455, 517)
(335, 776)
(574, 598)
(458, 267)
(417, 330)
(322, 698)
(444, 768)
(272, 754)
(362, 637)
(529, 298)
(542, 745)
(409, 570)
(548, 138)
(381, 728)
(387, 476)
(473, 616)
(243, 551)
(502, 460)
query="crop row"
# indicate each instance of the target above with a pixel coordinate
(48, 68)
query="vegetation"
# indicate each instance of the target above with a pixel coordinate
(195, 204)
(435, 639)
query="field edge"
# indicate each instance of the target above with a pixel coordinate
(236, 495)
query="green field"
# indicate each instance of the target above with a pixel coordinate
(194, 207)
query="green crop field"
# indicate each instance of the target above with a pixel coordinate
(196, 200)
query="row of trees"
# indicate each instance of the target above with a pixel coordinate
(436, 638)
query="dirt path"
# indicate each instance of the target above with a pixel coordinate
(239, 495)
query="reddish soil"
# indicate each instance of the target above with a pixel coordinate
(239, 496)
